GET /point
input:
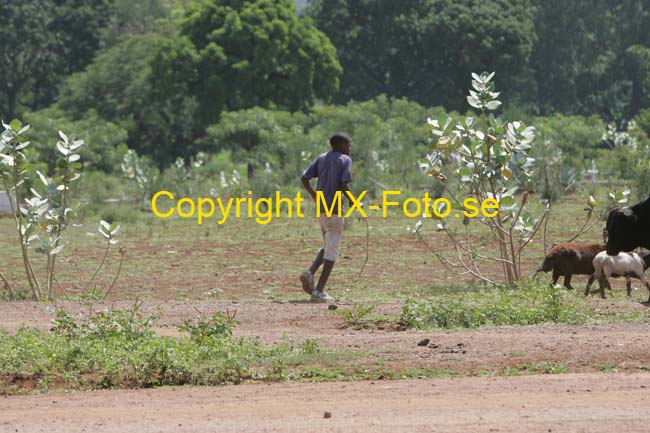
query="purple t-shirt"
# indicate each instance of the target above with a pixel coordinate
(332, 169)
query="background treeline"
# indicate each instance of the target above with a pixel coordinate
(578, 57)
(224, 94)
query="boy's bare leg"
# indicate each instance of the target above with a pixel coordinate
(324, 275)
(307, 277)
(317, 261)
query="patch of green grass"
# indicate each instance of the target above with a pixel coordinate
(319, 374)
(538, 368)
(357, 316)
(119, 348)
(528, 304)
(599, 315)
(546, 367)
(360, 316)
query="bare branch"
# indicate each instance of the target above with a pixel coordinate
(446, 263)
(468, 269)
(539, 224)
(480, 256)
(548, 208)
(117, 273)
(585, 228)
(7, 287)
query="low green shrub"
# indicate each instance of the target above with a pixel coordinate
(119, 348)
(527, 304)
(217, 325)
(357, 317)
(577, 137)
(123, 360)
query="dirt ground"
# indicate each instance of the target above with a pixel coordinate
(564, 403)
(623, 346)
(584, 348)
(589, 398)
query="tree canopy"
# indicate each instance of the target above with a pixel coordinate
(164, 71)
(43, 41)
(257, 53)
(425, 49)
(226, 55)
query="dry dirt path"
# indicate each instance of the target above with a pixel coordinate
(592, 402)
(583, 348)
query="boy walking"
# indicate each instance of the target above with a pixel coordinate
(333, 170)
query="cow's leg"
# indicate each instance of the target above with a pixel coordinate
(645, 283)
(556, 277)
(589, 283)
(628, 284)
(602, 282)
(567, 281)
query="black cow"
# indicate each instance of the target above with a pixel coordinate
(628, 228)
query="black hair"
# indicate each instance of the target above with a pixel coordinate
(339, 139)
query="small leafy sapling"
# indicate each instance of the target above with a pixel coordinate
(217, 325)
(61, 210)
(13, 169)
(489, 158)
(43, 212)
(490, 161)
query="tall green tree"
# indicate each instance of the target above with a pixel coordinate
(42, 41)
(25, 51)
(573, 65)
(638, 69)
(255, 53)
(77, 26)
(634, 52)
(138, 17)
(425, 49)
(120, 86)
(226, 55)
(633, 21)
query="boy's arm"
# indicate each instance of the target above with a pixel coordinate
(347, 192)
(307, 185)
(346, 178)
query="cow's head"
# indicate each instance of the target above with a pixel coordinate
(620, 230)
(547, 264)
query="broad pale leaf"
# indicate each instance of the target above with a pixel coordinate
(56, 250)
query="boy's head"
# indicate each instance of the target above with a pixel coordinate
(341, 142)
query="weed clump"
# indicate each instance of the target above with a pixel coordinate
(217, 325)
(525, 304)
(120, 349)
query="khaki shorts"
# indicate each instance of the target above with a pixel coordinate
(332, 229)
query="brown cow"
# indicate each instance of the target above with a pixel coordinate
(568, 259)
